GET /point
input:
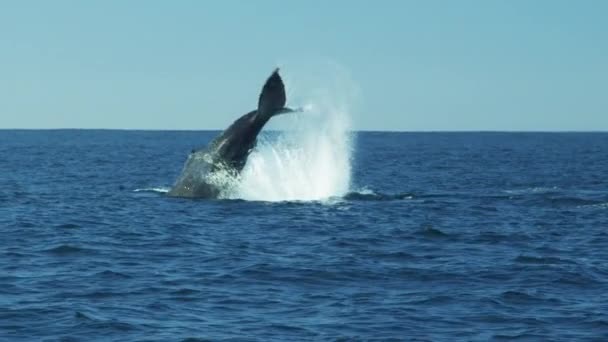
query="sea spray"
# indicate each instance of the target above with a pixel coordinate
(310, 160)
(309, 163)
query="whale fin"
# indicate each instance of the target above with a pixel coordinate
(272, 99)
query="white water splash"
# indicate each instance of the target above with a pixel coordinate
(310, 161)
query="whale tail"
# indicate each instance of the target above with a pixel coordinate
(272, 99)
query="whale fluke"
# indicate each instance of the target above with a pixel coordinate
(272, 98)
(228, 152)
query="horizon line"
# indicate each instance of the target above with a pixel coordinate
(277, 130)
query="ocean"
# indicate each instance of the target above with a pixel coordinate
(364, 236)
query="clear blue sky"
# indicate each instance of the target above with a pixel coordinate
(418, 65)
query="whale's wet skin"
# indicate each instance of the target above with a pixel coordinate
(208, 171)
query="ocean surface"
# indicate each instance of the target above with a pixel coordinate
(420, 237)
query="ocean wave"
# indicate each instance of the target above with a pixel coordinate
(600, 205)
(369, 195)
(161, 190)
(68, 250)
(533, 190)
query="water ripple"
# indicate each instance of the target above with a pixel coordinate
(439, 237)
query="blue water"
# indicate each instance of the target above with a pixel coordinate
(444, 237)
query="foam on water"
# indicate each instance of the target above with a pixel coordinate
(161, 190)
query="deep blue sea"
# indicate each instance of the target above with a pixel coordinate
(442, 237)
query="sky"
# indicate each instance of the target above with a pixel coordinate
(514, 65)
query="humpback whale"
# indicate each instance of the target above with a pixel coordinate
(227, 153)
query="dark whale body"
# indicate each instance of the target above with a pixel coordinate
(226, 155)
